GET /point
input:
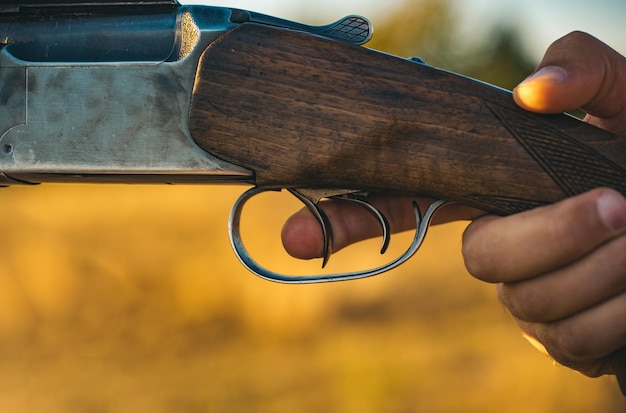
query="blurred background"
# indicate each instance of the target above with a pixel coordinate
(128, 298)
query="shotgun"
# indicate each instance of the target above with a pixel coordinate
(151, 91)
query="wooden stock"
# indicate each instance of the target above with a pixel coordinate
(303, 111)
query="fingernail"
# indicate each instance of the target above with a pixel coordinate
(554, 74)
(612, 210)
(532, 94)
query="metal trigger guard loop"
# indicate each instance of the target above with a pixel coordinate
(422, 223)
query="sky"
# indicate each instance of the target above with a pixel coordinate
(539, 21)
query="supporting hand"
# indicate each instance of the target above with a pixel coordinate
(561, 269)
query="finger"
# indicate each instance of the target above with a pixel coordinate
(597, 278)
(302, 235)
(578, 71)
(586, 340)
(534, 242)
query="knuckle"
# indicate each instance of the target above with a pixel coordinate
(612, 263)
(563, 343)
(578, 36)
(525, 302)
(566, 344)
(570, 218)
(577, 39)
(575, 223)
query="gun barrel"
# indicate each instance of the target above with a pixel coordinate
(105, 34)
(39, 5)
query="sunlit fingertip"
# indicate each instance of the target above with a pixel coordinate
(532, 93)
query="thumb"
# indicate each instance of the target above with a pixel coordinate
(578, 71)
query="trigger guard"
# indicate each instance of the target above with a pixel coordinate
(234, 233)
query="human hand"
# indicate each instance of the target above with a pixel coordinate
(302, 235)
(561, 269)
(546, 294)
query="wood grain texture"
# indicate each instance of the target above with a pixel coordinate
(303, 111)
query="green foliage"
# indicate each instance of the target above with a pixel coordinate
(430, 29)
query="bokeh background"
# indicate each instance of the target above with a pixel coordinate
(122, 298)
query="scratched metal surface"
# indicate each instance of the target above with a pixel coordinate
(105, 117)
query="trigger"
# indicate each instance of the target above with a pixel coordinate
(234, 233)
(321, 217)
(360, 199)
(312, 197)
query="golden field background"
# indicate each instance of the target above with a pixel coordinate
(128, 299)
(118, 299)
